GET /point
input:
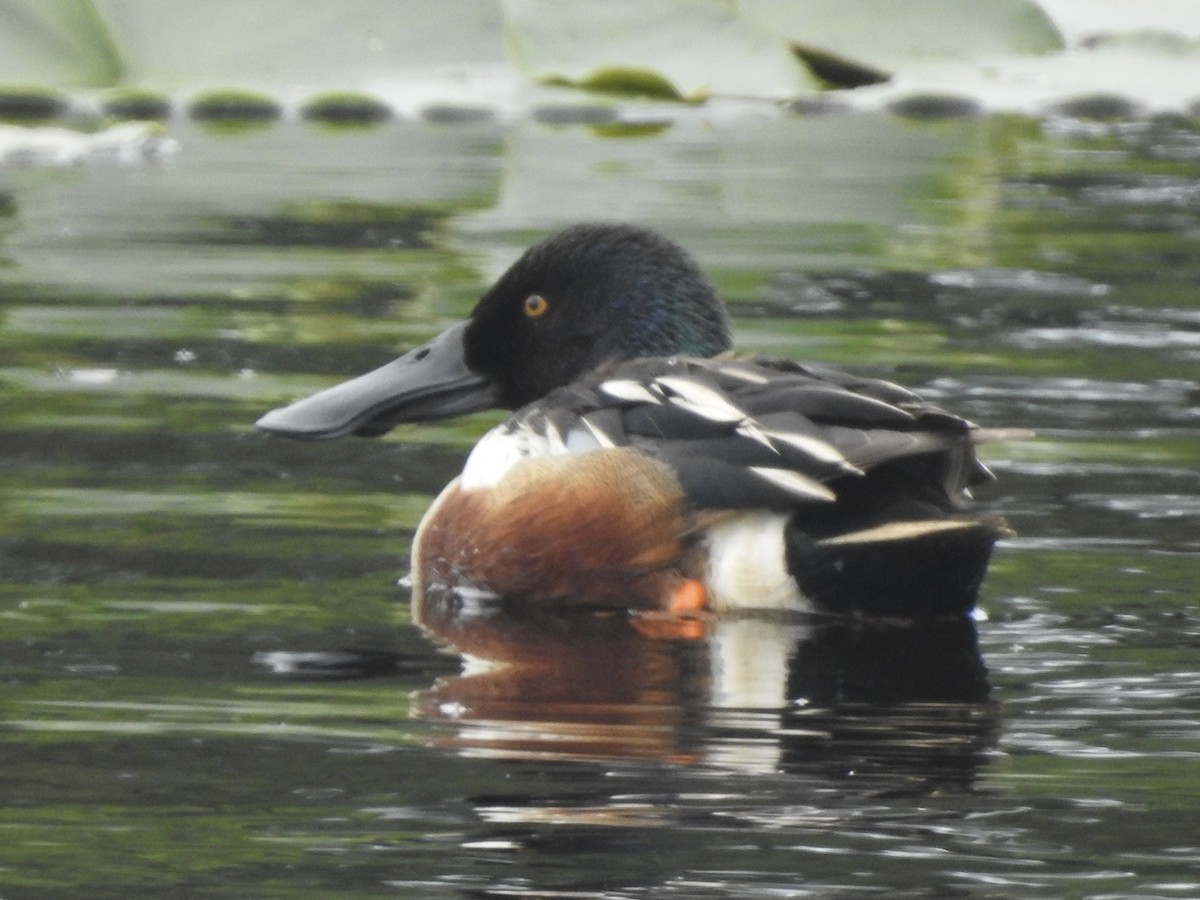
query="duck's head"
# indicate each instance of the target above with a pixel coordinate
(581, 298)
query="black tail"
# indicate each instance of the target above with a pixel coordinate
(930, 567)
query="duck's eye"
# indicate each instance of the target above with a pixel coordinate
(536, 305)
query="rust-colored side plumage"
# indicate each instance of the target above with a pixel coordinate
(605, 528)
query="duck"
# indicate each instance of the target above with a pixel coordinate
(646, 466)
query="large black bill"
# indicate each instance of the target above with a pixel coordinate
(428, 383)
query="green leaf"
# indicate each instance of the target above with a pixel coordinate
(58, 42)
(271, 43)
(888, 36)
(681, 50)
(629, 82)
(687, 49)
(837, 70)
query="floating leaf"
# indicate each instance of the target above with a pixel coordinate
(137, 103)
(679, 50)
(886, 36)
(837, 70)
(233, 105)
(630, 82)
(346, 108)
(59, 42)
(30, 104)
(181, 43)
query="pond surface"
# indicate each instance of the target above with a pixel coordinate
(212, 683)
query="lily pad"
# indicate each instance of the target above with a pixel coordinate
(267, 43)
(885, 37)
(58, 42)
(628, 82)
(685, 50)
(138, 104)
(31, 104)
(675, 50)
(346, 108)
(233, 105)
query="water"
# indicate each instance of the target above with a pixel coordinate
(213, 685)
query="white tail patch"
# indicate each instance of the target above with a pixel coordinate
(747, 564)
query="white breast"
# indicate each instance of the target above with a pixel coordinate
(506, 445)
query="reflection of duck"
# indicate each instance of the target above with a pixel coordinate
(907, 704)
(631, 476)
(578, 684)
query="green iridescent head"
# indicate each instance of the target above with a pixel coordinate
(589, 295)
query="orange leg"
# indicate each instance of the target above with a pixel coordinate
(687, 598)
(683, 618)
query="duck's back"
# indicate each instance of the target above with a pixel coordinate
(857, 482)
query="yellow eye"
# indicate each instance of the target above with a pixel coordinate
(536, 305)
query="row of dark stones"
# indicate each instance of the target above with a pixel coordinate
(40, 106)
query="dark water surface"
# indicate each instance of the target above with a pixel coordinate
(212, 683)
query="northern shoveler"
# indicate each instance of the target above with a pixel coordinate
(646, 466)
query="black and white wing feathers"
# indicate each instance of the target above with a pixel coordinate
(772, 434)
